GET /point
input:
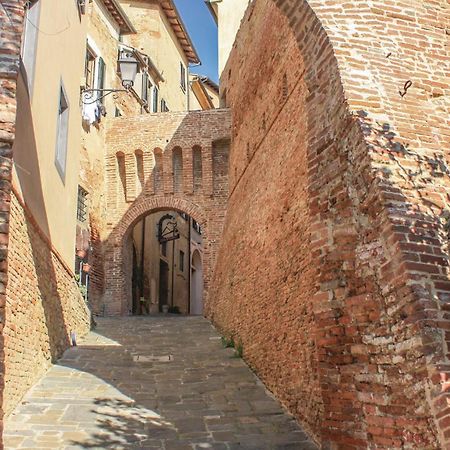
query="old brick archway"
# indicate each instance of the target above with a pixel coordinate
(170, 161)
(117, 281)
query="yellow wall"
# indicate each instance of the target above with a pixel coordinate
(60, 56)
(156, 38)
(230, 14)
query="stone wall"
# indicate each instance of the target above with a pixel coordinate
(141, 179)
(43, 306)
(337, 285)
(11, 24)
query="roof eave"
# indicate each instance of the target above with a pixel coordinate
(119, 15)
(181, 34)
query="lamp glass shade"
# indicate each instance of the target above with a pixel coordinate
(128, 66)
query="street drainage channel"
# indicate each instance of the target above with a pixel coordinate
(152, 358)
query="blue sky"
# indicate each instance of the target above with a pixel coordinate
(203, 32)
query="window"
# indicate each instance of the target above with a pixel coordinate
(146, 88)
(181, 261)
(164, 107)
(196, 227)
(62, 132)
(117, 112)
(184, 215)
(89, 68)
(164, 248)
(82, 208)
(29, 42)
(183, 76)
(155, 99)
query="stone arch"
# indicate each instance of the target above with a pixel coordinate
(116, 296)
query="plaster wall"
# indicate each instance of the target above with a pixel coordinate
(156, 38)
(59, 59)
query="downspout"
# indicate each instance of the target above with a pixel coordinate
(173, 271)
(189, 83)
(141, 287)
(189, 266)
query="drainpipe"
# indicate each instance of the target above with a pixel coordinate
(189, 83)
(141, 287)
(189, 266)
(173, 271)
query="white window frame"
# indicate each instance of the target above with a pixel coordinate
(29, 42)
(62, 132)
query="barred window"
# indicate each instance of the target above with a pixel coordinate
(82, 206)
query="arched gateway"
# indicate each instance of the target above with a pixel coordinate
(173, 181)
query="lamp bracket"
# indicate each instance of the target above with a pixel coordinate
(89, 97)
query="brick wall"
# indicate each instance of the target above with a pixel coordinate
(11, 24)
(337, 284)
(160, 140)
(43, 306)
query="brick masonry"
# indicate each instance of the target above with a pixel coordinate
(11, 23)
(141, 178)
(338, 282)
(43, 297)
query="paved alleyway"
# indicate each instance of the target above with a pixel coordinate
(163, 383)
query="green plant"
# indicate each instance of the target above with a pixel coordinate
(81, 287)
(227, 342)
(239, 350)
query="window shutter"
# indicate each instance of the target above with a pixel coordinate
(145, 82)
(101, 75)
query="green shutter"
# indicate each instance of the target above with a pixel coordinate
(101, 75)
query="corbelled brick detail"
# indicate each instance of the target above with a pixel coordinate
(141, 178)
(337, 284)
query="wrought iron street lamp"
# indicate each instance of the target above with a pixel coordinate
(128, 67)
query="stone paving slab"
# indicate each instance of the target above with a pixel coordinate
(152, 383)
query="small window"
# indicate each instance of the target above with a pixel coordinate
(62, 132)
(181, 261)
(29, 41)
(146, 88)
(196, 227)
(164, 249)
(155, 99)
(89, 68)
(82, 206)
(117, 112)
(183, 76)
(184, 215)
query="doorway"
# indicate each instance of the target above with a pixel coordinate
(196, 284)
(163, 284)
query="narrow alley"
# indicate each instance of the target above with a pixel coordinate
(152, 382)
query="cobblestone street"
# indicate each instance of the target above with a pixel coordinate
(163, 383)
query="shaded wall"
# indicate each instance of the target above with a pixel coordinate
(43, 306)
(11, 25)
(337, 283)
